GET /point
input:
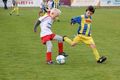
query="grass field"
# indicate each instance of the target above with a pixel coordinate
(22, 56)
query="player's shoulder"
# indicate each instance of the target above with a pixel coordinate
(82, 15)
(42, 17)
(45, 17)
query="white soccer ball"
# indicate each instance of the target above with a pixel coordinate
(60, 59)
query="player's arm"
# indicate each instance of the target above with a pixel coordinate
(36, 25)
(76, 20)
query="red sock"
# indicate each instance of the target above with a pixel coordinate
(48, 56)
(60, 47)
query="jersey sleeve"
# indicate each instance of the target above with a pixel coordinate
(76, 20)
(41, 18)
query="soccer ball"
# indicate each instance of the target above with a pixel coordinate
(60, 59)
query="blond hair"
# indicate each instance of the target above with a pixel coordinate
(55, 10)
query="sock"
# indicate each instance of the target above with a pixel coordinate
(48, 56)
(68, 40)
(17, 10)
(12, 11)
(97, 56)
(60, 47)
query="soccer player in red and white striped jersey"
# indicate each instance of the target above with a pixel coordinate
(47, 35)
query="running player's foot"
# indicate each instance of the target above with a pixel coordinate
(49, 62)
(102, 59)
(10, 13)
(64, 54)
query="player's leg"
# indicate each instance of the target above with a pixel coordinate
(60, 45)
(68, 40)
(54, 4)
(49, 52)
(5, 3)
(95, 51)
(57, 6)
(90, 42)
(17, 10)
(13, 10)
(72, 43)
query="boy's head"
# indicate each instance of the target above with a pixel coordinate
(90, 11)
(55, 13)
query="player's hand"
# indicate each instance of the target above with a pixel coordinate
(35, 30)
(71, 23)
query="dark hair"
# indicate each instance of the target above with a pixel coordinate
(91, 9)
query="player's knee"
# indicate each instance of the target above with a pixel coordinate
(60, 39)
(50, 46)
(92, 45)
(73, 44)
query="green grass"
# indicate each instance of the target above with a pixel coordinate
(22, 56)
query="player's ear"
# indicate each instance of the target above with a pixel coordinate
(52, 13)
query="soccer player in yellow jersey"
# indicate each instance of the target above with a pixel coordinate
(43, 9)
(84, 33)
(15, 7)
(56, 3)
